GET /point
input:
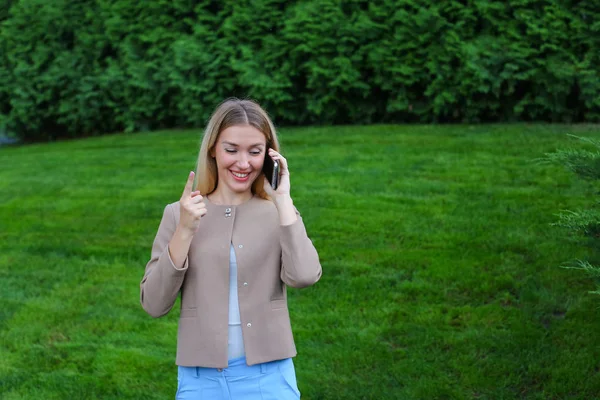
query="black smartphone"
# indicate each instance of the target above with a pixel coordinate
(271, 171)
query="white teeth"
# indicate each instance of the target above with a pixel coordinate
(239, 175)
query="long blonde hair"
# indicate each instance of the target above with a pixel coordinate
(231, 112)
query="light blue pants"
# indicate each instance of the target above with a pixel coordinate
(275, 380)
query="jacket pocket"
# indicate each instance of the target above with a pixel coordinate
(278, 304)
(188, 313)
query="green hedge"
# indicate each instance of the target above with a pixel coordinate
(80, 67)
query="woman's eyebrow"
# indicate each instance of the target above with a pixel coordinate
(237, 145)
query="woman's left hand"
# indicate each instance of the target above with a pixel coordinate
(283, 190)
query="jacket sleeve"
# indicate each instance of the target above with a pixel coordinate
(162, 280)
(300, 261)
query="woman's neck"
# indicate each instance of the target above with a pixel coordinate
(223, 198)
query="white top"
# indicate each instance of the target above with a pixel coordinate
(235, 343)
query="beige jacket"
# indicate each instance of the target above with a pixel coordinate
(269, 257)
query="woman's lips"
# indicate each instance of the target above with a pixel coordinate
(241, 177)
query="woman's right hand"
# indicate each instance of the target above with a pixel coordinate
(192, 207)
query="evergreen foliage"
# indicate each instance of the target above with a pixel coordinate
(585, 164)
(80, 67)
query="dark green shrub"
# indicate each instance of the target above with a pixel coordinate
(79, 67)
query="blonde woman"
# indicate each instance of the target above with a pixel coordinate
(230, 246)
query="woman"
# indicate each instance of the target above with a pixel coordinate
(231, 246)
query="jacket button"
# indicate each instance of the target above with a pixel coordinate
(241, 246)
(248, 324)
(245, 283)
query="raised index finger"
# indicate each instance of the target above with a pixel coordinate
(188, 185)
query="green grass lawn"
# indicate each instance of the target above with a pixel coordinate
(441, 271)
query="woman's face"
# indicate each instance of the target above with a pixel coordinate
(239, 153)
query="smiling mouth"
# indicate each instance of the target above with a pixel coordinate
(239, 175)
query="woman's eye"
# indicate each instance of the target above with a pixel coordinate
(255, 153)
(230, 150)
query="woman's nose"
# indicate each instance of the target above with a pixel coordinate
(243, 163)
